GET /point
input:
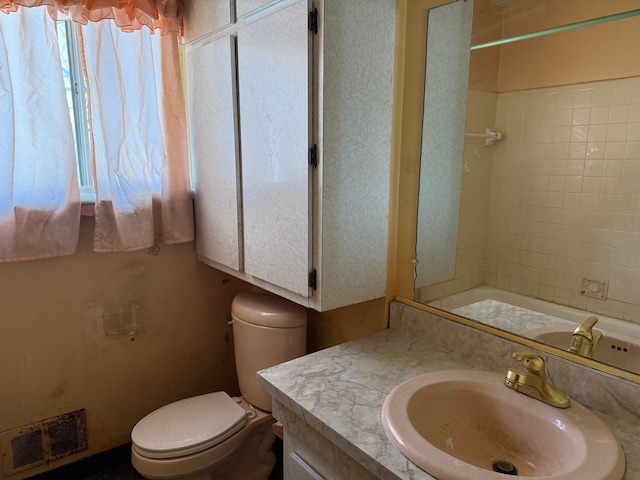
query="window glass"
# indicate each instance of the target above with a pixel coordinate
(76, 89)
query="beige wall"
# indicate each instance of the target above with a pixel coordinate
(588, 54)
(484, 64)
(343, 324)
(53, 358)
(581, 55)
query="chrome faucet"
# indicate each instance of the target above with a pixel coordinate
(584, 338)
(532, 380)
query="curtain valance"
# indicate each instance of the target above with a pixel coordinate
(128, 15)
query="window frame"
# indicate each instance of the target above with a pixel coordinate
(78, 108)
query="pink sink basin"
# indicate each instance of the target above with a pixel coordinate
(611, 349)
(465, 424)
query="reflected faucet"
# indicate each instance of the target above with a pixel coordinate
(584, 338)
(532, 381)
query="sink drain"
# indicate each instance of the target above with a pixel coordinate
(502, 466)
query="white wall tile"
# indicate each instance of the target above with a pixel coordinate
(583, 198)
(620, 114)
(558, 199)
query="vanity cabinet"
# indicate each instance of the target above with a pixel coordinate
(308, 455)
(289, 106)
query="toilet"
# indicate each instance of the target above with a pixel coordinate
(215, 436)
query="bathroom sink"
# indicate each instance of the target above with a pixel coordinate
(611, 349)
(464, 424)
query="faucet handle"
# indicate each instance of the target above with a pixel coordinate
(585, 337)
(585, 329)
(533, 363)
(589, 322)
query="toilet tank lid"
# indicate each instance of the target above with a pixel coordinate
(268, 311)
(188, 426)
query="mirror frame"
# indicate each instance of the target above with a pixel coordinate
(409, 77)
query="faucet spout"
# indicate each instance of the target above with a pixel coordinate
(584, 338)
(531, 380)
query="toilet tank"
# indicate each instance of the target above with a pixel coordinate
(267, 330)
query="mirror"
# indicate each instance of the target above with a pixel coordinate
(547, 232)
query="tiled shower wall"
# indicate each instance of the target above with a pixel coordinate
(564, 197)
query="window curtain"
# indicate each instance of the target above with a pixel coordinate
(138, 126)
(128, 15)
(39, 195)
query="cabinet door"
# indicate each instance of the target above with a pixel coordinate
(202, 18)
(211, 77)
(247, 6)
(297, 468)
(274, 83)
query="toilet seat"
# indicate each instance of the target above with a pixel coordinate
(188, 426)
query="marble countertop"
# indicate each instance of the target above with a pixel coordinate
(510, 318)
(340, 392)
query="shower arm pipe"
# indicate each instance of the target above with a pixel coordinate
(561, 28)
(490, 136)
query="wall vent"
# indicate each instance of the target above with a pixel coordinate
(27, 449)
(43, 442)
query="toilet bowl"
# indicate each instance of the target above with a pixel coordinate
(238, 451)
(215, 436)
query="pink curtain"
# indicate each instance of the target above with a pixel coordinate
(138, 126)
(39, 195)
(129, 15)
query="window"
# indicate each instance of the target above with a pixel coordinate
(127, 125)
(76, 88)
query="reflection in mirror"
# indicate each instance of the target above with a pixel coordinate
(548, 231)
(446, 73)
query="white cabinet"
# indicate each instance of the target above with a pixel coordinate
(215, 149)
(264, 89)
(309, 455)
(202, 17)
(244, 7)
(274, 86)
